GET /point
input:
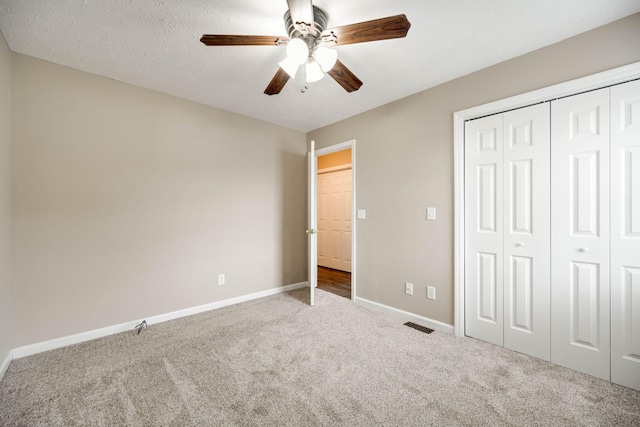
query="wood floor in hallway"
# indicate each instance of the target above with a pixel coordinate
(334, 281)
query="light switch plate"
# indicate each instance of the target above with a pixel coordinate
(431, 214)
(408, 288)
(431, 292)
(362, 214)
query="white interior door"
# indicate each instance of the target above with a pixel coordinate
(580, 232)
(625, 234)
(313, 223)
(527, 270)
(484, 230)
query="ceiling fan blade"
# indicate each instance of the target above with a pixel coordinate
(345, 78)
(234, 40)
(277, 82)
(391, 27)
(301, 13)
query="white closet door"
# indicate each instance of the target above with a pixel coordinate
(323, 220)
(580, 233)
(527, 231)
(346, 220)
(625, 234)
(340, 219)
(484, 230)
(334, 220)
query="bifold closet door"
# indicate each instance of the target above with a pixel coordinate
(334, 220)
(580, 232)
(507, 230)
(323, 220)
(625, 234)
(340, 220)
(483, 230)
(527, 270)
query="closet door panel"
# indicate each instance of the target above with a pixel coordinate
(345, 182)
(335, 219)
(625, 234)
(580, 233)
(323, 221)
(484, 230)
(527, 231)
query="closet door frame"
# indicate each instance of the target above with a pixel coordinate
(606, 78)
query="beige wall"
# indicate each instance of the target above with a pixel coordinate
(405, 164)
(5, 200)
(128, 203)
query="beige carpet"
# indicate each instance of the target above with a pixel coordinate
(276, 361)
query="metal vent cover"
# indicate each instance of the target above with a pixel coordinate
(419, 327)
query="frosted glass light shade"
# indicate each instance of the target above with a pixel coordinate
(326, 57)
(290, 66)
(313, 71)
(297, 51)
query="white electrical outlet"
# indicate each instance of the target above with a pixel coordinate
(220, 279)
(408, 288)
(431, 214)
(431, 292)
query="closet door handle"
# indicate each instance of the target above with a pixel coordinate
(519, 245)
(583, 249)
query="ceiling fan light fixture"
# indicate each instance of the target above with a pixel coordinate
(290, 66)
(298, 51)
(308, 40)
(326, 58)
(313, 71)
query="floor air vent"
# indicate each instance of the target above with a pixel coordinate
(419, 327)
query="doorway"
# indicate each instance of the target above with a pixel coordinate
(336, 235)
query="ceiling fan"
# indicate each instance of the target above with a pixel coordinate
(309, 44)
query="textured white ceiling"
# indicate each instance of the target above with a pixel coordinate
(155, 44)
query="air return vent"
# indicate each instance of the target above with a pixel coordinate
(419, 327)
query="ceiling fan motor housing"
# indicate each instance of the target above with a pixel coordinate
(309, 34)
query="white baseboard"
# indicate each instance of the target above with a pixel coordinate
(30, 349)
(5, 364)
(420, 320)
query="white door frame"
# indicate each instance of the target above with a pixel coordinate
(595, 81)
(312, 231)
(332, 149)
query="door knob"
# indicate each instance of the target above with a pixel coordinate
(312, 231)
(584, 249)
(519, 245)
